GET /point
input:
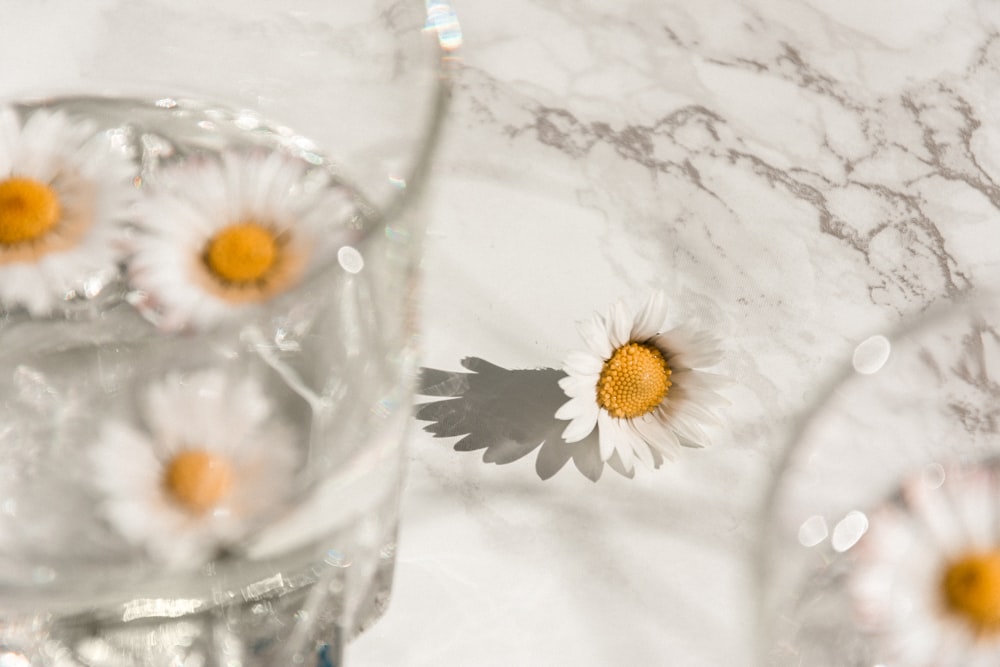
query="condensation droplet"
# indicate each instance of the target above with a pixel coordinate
(871, 354)
(849, 530)
(934, 475)
(813, 531)
(350, 259)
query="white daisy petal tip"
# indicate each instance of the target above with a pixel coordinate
(217, 238)
(645, 411)
(64, 199)
(196, 485)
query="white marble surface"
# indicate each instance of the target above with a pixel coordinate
(796, 175)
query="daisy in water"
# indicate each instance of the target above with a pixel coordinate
(208, 461)
(63, 196)
(638, 383)
(926, 579)
(217, 237)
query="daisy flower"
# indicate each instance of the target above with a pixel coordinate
(63, 195)
(217, 237)
(638, 383)
(925, 582)
(209, 459)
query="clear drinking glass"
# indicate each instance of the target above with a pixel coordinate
(210, 228)
(889, 480)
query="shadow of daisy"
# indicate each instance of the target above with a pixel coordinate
(508, 413)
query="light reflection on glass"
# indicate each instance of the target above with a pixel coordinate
(396, 233)
(337, 559)
(934, 475)
(442, 18)
(247, 120)
(160, 608)
(871, 354)
(813, 531)
(264, 587)
(350, 259)
(849, 530)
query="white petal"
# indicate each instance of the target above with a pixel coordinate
(582, 363)
(609, 433)
(657, 435)
(973, 506)
(233, 415)
(188, 203)
(639, 446)
(94, 189)
(930, 506)
(689, 430)
(619, 325)
(582, 386)
(651, 319)
(573, 408)
(687, 387)
(621, 439)
(594, 332)
(581, 426)
(688, 349)
(680, 403)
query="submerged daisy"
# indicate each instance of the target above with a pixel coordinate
(220, 236)
(639, 385)
(926, 579)
(209, 460)
(63, 196)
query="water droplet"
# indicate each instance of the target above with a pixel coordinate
(849, 530)
(934, 475)
(813, 531)
(871, 354)
(350, 259)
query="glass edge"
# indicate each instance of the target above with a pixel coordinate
(761, 570)
(446, 67)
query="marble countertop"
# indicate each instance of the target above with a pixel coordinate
(795, 175)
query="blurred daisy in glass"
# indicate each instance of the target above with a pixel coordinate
(639, 384)
(63, 195)
(926, 580)
(218, 237)
(209, 459)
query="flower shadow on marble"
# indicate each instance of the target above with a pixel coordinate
(508, 413)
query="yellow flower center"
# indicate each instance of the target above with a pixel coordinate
(28, 209)
(971, 588)
(633, 381)
(198, 480)
(242, 253)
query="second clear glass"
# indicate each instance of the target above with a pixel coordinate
(890, 483)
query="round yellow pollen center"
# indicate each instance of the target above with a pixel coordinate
(971, 590)
(28, 209)
(198, 480)
(241, 253)
(633, 381)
